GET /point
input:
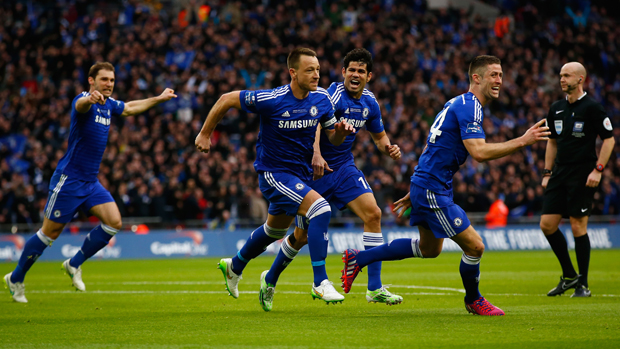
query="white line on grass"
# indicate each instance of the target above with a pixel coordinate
(280, 292)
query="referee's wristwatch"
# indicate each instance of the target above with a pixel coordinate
(546, 172)
(600, 167)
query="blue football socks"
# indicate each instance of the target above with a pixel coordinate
(372, 240)
(470, 273)
(96, 239)
(258, 242)
(285, 256)
(32, 251)
(395, 250)
(319, 215)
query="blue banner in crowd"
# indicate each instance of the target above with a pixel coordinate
(219, 243)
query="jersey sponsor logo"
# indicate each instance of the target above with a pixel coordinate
(354, 122)
(558, 126)
(458, 222)
(365, 113)
(286, 114)
(297, 123)
(250, 98)
(473, 127)
(558, 112)
(607, 124)
(299, 186)
(102, 120)
(314, 111)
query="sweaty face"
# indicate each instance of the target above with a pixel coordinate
(308, 73)
(104, 82)
(355, 78)
(492, 81)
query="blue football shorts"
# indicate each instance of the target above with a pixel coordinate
(342, 186)
(284, 192)
(437, 212)
(70, 195)
(339, 188)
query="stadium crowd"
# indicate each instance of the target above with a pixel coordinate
(205, 48)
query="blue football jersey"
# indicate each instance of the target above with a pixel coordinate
(461, 118)
(287, 128)
(88, 138)
(360, 113)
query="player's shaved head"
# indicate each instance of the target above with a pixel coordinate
(479, 65)
(293, 58)
(575, 68)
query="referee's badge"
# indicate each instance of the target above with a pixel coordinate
(558, 126)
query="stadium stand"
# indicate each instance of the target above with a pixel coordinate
(205, 48)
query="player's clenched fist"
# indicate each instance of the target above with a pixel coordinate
(203, 143)
(394, 151)
(167, 95)
(96, 97)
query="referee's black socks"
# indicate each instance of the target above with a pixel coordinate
(582, 249)
(560, 248)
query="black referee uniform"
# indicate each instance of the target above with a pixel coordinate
(575, 128)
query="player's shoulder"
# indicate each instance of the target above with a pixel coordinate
(559, 104)
(366, 94)
(335, 87)
(591, 102)
(466, 102)
(322, 95)
(272, 95)
(82, 94)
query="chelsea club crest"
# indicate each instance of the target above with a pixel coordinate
(299, 186)
(457, 222)
(314, 111)
(365, 113)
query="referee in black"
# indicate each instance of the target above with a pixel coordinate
(574, 122)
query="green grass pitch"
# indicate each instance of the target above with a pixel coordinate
(182, 304)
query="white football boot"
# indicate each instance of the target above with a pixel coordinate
(75, 274)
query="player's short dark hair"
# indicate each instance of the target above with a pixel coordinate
(293, 58)
(94, 70)
(359, 55)
(479, 65)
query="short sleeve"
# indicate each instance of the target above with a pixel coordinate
(469, 118)
(604, 128)
(117, 107)
(257, 102)
(551, 123)
(374, 123)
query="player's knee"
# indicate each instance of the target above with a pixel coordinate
(373, 216)
(116, 223)
(430, 251)
(476, 250)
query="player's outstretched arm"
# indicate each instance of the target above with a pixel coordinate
(482, 151)
(339, 133)
(382, 141)
(142, 105)
(82, 105)
(221, 107)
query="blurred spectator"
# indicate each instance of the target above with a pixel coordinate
(205, 48)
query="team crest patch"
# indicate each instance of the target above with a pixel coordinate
(250, 98)
(57, 213)
(458, 222)
(607, 124)
(365, 113)
(299, 186)
(314, 111)
(558, 126)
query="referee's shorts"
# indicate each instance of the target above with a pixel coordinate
(566, 192)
